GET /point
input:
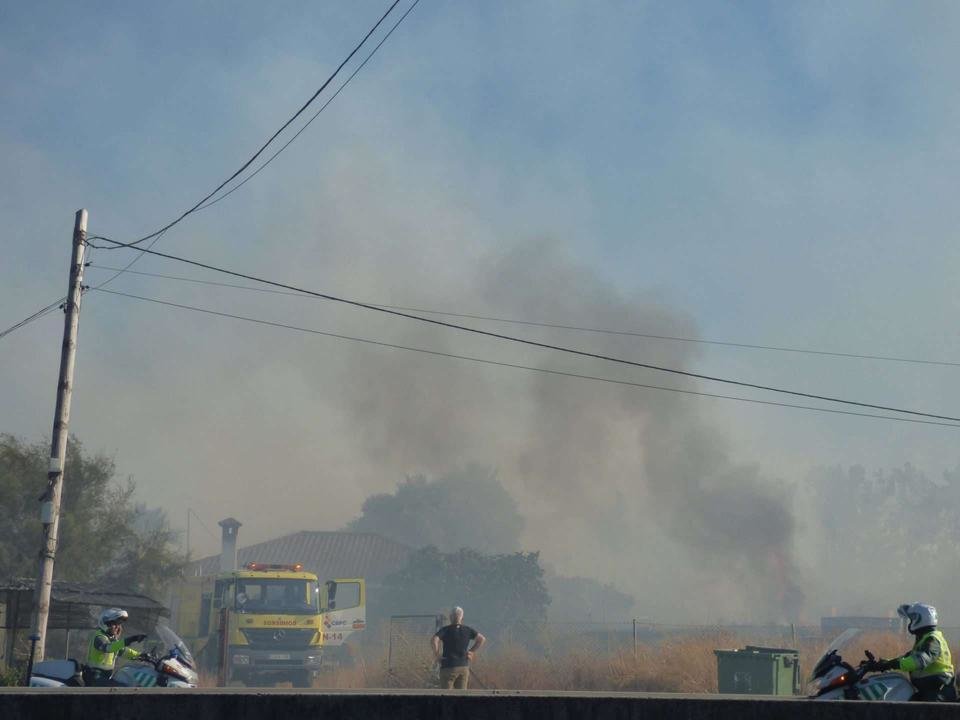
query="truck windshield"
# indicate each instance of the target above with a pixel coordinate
(276, 596)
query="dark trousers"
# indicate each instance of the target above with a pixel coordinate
(95, 677)
(932, 689)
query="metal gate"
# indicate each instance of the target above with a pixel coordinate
(410, 661)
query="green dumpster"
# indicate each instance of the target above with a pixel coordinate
(758, 671)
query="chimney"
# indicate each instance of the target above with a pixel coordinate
(228, 551)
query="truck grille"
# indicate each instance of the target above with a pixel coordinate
(279, 638)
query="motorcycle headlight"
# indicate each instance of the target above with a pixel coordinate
(174, 669)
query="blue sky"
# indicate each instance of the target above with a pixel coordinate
(767, 173)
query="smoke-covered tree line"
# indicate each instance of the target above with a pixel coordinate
(469, 508)
(580, 599)
(503, 593)
(885, 537)
(104, 534)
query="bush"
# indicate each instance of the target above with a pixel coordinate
(11, 676)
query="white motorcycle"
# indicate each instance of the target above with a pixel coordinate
(167, 663)
(835, 679)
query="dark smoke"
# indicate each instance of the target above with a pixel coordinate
(728, 516)
(629, 486)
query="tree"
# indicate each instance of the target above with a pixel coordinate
(890, 536)
(498, 592)
(102, 536)
(465, 508)
(149, 558)
(582, 599)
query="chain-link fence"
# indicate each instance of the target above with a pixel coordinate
(599, 655)
(550, 638)
(410, 661)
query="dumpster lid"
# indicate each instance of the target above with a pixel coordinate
(758, 650)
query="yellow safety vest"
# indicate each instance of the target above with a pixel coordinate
(106, 659)
(942, 665)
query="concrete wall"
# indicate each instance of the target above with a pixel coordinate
(127, 704)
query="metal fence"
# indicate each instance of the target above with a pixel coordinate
(626, 648)
(557, 637)
(410, 660)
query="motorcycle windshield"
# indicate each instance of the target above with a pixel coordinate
(171, 642)
(839, 644)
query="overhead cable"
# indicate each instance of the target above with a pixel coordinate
(42, 312)
(315, 115)
(214, 201)
(561, 326)
(534, 343)
(485, 361)
(273, 137)
(191, 511)
(126, 268)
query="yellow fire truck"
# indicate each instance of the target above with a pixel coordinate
(267, 623)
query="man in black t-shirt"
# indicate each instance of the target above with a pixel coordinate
(456, 654)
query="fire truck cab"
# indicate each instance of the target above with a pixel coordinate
(267, 622)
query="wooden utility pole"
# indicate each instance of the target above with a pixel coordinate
(50, 500)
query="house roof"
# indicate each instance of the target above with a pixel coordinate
(75, 605)
(328, 554)
(87, 594)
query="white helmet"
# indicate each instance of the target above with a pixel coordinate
(113, 616)
(920, 616)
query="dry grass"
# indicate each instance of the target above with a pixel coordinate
(687, 665)
(682, 664)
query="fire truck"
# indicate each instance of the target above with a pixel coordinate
(267, 622)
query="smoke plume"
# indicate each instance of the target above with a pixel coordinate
(628, 485)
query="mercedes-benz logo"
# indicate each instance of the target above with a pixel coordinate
(279, 635)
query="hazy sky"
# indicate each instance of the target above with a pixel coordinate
(770, 173)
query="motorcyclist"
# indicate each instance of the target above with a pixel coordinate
(106, 644)
(928, 661)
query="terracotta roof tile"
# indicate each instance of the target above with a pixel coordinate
(329, 554)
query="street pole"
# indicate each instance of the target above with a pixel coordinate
(50, 500)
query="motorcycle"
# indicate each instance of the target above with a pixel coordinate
(168, 663)
(835, 679)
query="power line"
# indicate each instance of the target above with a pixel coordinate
(315, 115)
(121, 271)
(560, 326)
(498, 363)
(42, 312)
(272, 137)
(534, 343)
(191, 511)
(126, 268)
